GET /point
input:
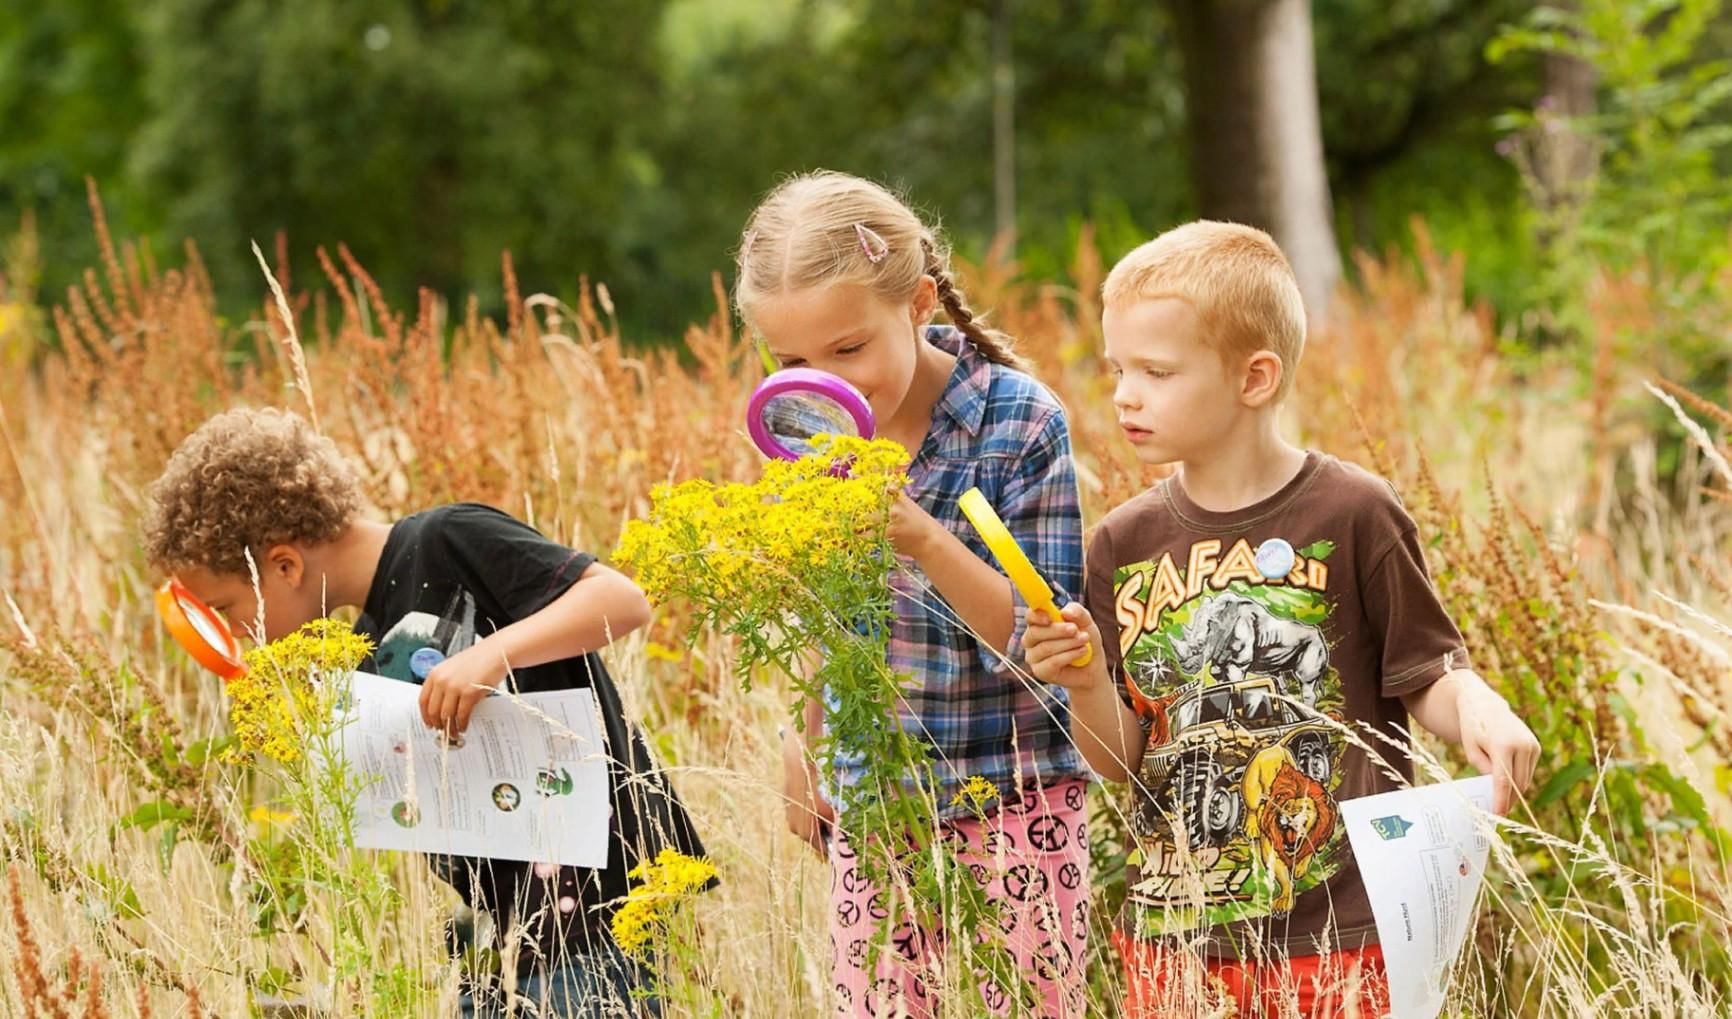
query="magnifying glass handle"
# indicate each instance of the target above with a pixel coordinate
(1035, 590)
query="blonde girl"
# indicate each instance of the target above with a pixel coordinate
(837, 273)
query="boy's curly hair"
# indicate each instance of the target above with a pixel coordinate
(247, 479)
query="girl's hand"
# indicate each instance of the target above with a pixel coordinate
(809, 816)
(457, 684)
(912, 529)
(1499, 744)
(1051, 645)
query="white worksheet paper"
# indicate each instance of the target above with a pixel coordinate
(528, 779)
(1422, 855)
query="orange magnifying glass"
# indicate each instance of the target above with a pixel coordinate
(198, 629)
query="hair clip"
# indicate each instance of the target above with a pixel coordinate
(874, 246)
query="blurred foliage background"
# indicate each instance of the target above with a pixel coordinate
(627, 139)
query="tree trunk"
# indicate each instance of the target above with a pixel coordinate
(1256, 140)
(1568, 159)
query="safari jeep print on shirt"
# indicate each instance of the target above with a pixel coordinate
(1227, 658)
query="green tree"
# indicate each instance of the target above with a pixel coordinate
(70, 101)
(629, 140)
(1408, 101)
(902, 92)
(428, 136)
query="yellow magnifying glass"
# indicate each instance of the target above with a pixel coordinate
(198, 629)
(1035, 590)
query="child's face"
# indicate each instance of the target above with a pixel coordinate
(289, 604)
(848, 331)
(1176, 398)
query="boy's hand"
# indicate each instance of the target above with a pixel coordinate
(1050, 645)
(457, 684)
(1499, 744)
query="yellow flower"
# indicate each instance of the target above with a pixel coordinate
(673, 870)
(976, 793)
(284, 689)
(269, 818)
(665, 882)
(662, 653)
(321, 646)
(822, 515)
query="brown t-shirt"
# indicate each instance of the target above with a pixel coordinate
(1247, 641)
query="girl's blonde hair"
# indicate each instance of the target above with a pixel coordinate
(827, 228)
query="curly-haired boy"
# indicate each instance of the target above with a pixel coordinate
(262, 519)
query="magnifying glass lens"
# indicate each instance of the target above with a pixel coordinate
(793, 406)
(198, 630)
(205, 624)
(794, 419)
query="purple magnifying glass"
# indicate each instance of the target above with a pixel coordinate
(793, 406)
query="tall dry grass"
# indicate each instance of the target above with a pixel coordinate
(1590, 581)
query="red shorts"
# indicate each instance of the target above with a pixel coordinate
(1168, 985)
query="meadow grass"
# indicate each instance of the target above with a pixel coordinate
(1577, 529)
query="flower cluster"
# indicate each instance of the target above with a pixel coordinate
(665, 882)
(801, 521)
(797, 567)
(976, 793)
(284, 689)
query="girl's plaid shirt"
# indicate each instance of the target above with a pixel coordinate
(996, 428)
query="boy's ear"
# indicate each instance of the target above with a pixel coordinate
(1263, 374)
(286, 563)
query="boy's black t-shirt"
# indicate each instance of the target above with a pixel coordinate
(452, 575)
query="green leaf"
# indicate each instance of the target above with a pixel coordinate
(1562, 781)
(1686, 800)
(121, 896)
(768, 359)
(125, 901)
(165, 848)
(205, 749)
(152, 814)
(170, 752)
(274, 980)
(1318, 550)
(1516, 40)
